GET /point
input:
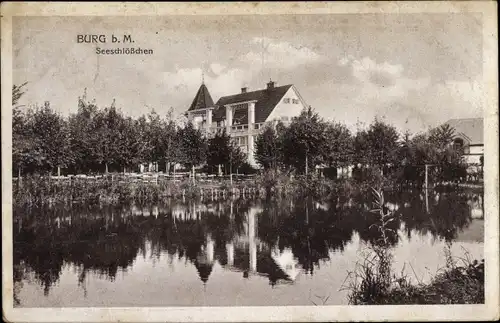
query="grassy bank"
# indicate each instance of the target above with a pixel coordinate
(373, 282)
(119, 188)
(456, 284)
(38, 190)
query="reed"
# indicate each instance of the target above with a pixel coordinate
(373, 282)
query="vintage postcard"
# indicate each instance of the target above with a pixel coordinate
(250, 162)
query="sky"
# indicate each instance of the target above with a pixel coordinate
(411, 70)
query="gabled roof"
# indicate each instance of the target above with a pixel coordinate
(202, 100)
(267, 99)
(470, 129)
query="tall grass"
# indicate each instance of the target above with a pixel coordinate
(372, 281)
(41, 190)
(37, 191)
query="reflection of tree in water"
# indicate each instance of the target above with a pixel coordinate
(449, 213)
(188, 233)
(106, 240)
(368, 222)
(95, 241)
(310, 231)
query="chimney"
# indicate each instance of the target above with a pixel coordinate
(270, 85)
(244, 90)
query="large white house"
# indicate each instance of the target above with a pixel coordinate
(469, 135)
(244, 115)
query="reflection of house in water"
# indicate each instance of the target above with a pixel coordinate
(204, 262)
(249, 255)
(476, 203)
(144, 211)
(286, 262)
(235, 245)
(193, 211)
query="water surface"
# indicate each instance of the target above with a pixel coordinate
(230, 252)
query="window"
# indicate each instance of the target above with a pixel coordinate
(286, 100)
(240, 141)
(459, 143)
(295, 101)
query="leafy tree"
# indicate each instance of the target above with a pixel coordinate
(17, 93)
(51, 136)
(133, 144)
(441, 136)
(24, 151)
(383, 146)
(193, 146)
(153, 132)
(304, 140)
(268, 148)
(361, 147)
(170, 146)
(223, 151)
(338, 150)
(85, 137)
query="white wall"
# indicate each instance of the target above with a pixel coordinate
(474, 155)
(476, 149)
(287, 109)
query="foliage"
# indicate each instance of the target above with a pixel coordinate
(339, 149)
(378, 145)
(304, 140)
(223, 151)
(372, 281)
(193, 146)
(268, 148)
(41, 140)
(96, 140)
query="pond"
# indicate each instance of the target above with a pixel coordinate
(231, 252)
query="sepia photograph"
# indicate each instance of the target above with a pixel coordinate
(287, 161)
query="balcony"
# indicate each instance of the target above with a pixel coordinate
(239, 129)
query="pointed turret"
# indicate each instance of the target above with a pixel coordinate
(202, 100)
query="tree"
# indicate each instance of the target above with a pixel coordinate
(268, 149)
(170, 146)
(304, 140)
(442, 136)
(383, 146)
(133, 144)
(193, 146)
(361, 147)
(338, 150)
(24, 151)
(85, 137)
(51, 136)
(17, 93)
(153, 132)
(222, 151)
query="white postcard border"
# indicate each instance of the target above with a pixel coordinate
(488, 311)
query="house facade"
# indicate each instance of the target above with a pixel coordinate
(469, 134)
(244, 115)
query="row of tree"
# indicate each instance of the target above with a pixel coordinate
(102, 139)
(310, 141)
